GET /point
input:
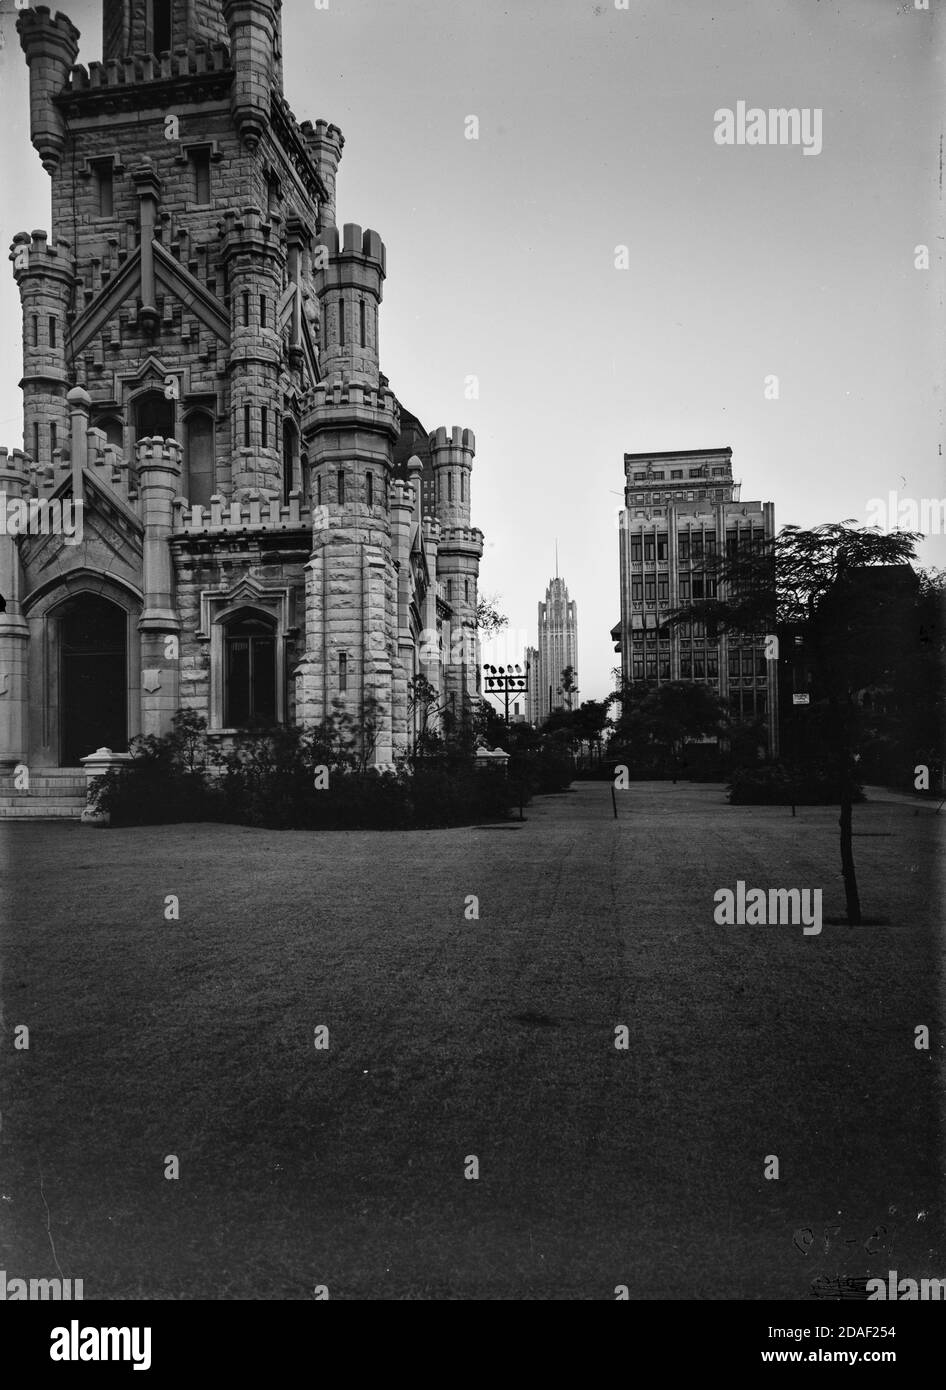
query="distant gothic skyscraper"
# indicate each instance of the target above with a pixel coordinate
(558, 648)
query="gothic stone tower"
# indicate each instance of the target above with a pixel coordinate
(201, 373)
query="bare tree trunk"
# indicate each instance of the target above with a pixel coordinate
(845, 821)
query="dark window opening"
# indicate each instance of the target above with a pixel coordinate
(341, 323)
(369, 489)
(342, 671)
(199, 457)
(200, 164)
(250, 670)
(105, 187)
(36, 443)
(264, 427)
(246, 427)
(341, 488)
(246, 310)
(52, 331)
(154, 416)
(262, 311)
(34, 330)
(161, 29)
(364, 338)
(53, 438)
(288, 459)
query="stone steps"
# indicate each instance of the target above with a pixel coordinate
(56, 793)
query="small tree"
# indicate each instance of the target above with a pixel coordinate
(805, 576)
(569, 686)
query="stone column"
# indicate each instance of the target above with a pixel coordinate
(159, 483)
(14, 631)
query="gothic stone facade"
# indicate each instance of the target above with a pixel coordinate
(200, 371)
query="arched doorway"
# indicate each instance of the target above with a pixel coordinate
(93, 676)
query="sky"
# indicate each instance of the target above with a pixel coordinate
(744, 262)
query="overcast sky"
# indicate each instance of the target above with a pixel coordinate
(596, 130)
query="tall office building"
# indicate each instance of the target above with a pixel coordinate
(682, 509)
(558, 648)
(532, 695)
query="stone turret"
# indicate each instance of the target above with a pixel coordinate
(254, 29)
(255, 264)
(459, 551)
(45, 276)
(325, 143)
(349, 287)
(51, 45)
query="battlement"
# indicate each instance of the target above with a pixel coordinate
(197, 56)
(401, 494)
(353, 245)
(250, 229)
(158, 452)
(353, 395)
(42, 32)
(323, 138)
(459, 440)
(256, 513)
(31, 253)
(15, 471)
(464, 538)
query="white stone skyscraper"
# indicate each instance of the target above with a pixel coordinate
(558, 649)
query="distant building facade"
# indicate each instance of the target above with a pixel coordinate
(558, 647)
(532, 696)
(681, 510)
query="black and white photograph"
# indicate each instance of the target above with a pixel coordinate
(472, 665)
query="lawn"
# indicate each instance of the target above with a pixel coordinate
(452, 1036)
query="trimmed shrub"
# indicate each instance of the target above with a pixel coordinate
(773, 784)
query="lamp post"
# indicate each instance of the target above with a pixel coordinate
(505, 681)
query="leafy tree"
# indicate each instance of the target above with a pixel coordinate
(662, 719)
(811, 577)
(489, 620)
(569, 686)
(423, 702)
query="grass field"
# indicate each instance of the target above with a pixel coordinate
(451, 1037)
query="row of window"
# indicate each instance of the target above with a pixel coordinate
(692, 545)
(656, 588)
(675, 473)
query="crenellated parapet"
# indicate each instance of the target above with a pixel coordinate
(190, 59)
(51, 45)
(336, 404)
(461, 540)
(35, 260)
(16, 473)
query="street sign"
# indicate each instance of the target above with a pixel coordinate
(801, 699)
